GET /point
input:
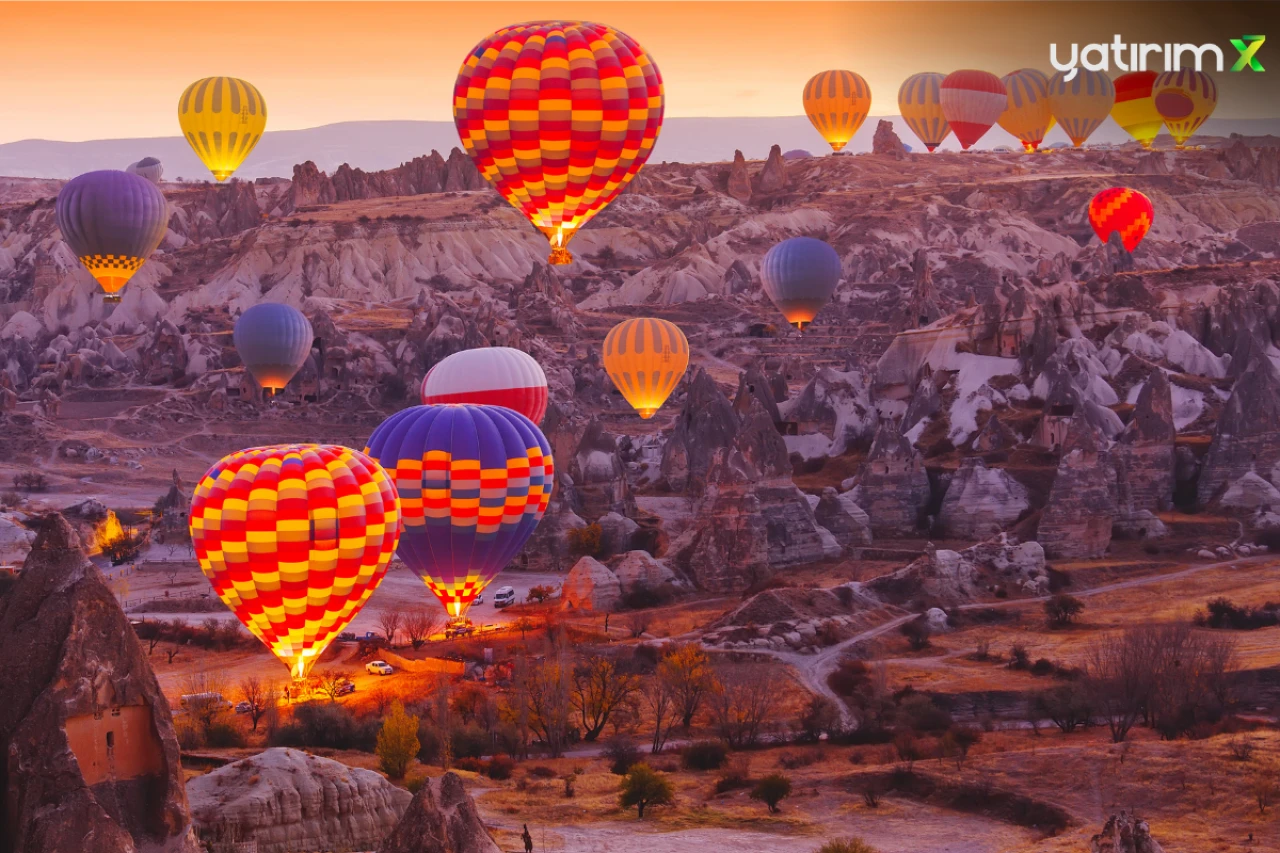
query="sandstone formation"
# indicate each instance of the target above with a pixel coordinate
(599, 477)
(286, 800)
(773, 177)
(1144, 455)
(837, 404)
(91, 757)
(844, 519)
(886, 141)
(1077, 520)
(739, 186)
(427, 174)
(641, 569)
(591, 586)
(1125, 833)
(981, 501)
(893, 487)
(1245, 438)
(16, 539)
(441, 818)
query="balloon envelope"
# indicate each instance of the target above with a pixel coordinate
(1124, 210)
(474, 482)
(222, 118)
(1027, 116)
(972, 101)
(496, 376)
(148, 167)
(113, 221)
(645, 358)
(1185, 99)
(1135, 110)
(273, 341)
(920, 103)
(294, 539)
(559, 117)
(837, 103)
(800, 275)
(1082, 103)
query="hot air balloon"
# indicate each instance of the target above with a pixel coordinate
(1027, 116)
(493, 376)
(113, 221)
(1185, 98)
(646, 358)
(1081, 103)
(273, 341)
(222, 119)
(800, 275)
(972, 101)
(147, 167)
(920, 103)
(559, 117)
(294, 539)
(1124, 210)
(837, 103)
(474, 482)
(1135, 110)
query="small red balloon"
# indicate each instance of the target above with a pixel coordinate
(1124, 210)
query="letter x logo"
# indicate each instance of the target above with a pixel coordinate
(1248, 46)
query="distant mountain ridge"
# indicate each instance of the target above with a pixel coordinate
(372, 145)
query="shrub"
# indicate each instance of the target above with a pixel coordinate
(430, 744)
(472, 765)
(189, 735)
(642, 596)
(1223, 613)
(541, 771)
(704, 755)
(803, 758)
(1042, 667)
(501, 767)
(397, 741)
(849, 677)
(30, 481)
(325, 724)
(222, 735)
(917, 633)
(921, 713)
(470, 742)
(622, 755)
(1019, 657)
(737, 776)
(643, 787)
(771, 790)
(585, 541)
(820, 716)
(847, 845)
(1062, 609)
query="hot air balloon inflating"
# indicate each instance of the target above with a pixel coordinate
(1082, 103)
(1185, 99)
(474, 481)
(1027, 116)
(148, 167)
(294, 539)
(837, 103)
(920, 103)
(800, 275)
(1135, 110)
(559, 117)
(273, 341)
(645, 358)
(113, 221)
(972, 101)
(222, 118)
(492, 376)
(1124, 210)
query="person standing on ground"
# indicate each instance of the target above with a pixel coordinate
(528, 839)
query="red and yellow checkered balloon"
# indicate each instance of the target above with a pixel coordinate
(1124, 210)
(558, 116)
(294, 539)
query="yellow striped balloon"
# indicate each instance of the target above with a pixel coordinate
(1185, 99)
(920, 104)
(1081, 103)
(1028, 116)
(222, 119)
(837, 103)
(646, 357)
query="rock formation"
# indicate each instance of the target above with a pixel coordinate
(599, 477)
(285, 800)
(640, 568)
(980, 501)
(773, 177)
(836, 403)
(886, 141)
(1144, 454)
(893, 487)
(739, 186)
(1125, 833)
(1245, 438)
(427, 174)
(994, 437)
(90, 755)
(844, 519)
(591, 586)
(441, 818)
(1077, 520)
(16, 539)
(707, 423)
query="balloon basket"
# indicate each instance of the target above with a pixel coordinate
(559, 256)
(112, 298)
(220, 176)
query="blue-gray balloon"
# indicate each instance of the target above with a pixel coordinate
(273, 341)
(800, 275)
(149, 168)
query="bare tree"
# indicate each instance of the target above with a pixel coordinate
(331, 683)
(638, 622)
(420, 624)
(515, 709)
(390, 621)
(258, 696)
(382, 699)
(203, 698)
(688, 672)
(1118, 669)
(548, 684)
(743, 706)
(660, 700)
(599, 690)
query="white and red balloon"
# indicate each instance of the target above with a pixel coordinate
(489, 376)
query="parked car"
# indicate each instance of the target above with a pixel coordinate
(204, 700)
(479, 599)
(462, 629)
(344, 688)
(347, 637)
(504, 596)
(379, 667)
(372, 637)
(243, 707)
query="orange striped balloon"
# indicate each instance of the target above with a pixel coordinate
(646, 358)
(294, 539)
(1027, 116)
(1082, 103)
(837, 103)
(559, 117)
(1124, 210)
(920, 103)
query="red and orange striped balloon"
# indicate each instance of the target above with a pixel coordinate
(1124, 210)
(294, 539)
(558, 116)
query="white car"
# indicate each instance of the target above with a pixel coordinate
(504, 596)
(379, 667)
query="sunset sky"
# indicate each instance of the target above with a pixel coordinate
(100, 70)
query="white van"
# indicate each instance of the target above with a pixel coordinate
(204, 700)
(504, 596)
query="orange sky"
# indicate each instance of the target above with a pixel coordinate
(94, 70)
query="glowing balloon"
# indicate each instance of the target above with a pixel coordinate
(1124, 210)
(273, 341)
(474, 482)
(920, 103)
(837, 103)
(559, 117)
(972, 101)
(113, 221)
(222, 119)
(294, 539)
(800, 275)
(646, 358)
(1185, 99)
(1135, 110)
(1082, 103)
(493, 376)
(1027, 116)
(147, 167)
